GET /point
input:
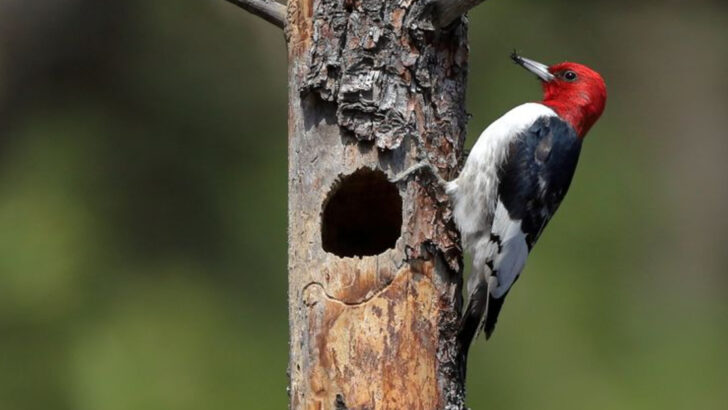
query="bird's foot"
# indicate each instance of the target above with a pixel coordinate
(424, 166)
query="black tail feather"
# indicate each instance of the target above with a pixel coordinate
(494, 308)
(480, 313)
(476, 318)
(471, 323)
(472, 319)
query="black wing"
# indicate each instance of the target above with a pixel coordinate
(537, 174)
(533, 181)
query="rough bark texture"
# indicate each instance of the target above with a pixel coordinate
(374, 86)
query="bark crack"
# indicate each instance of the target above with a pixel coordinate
(343, 302)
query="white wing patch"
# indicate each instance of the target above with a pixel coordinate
(510, 260)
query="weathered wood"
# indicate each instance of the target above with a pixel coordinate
(373, 88)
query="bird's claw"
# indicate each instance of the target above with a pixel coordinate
(419, 167)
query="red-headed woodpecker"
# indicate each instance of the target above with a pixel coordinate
(514, 180)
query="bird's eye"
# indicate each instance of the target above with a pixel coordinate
(569, 76)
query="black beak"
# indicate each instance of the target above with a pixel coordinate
(541, 70)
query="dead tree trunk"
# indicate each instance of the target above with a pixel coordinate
(374, 268)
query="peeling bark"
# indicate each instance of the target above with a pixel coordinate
(373, 85)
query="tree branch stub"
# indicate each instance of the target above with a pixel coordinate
(446, 11)
(269, 10)
(449, 10)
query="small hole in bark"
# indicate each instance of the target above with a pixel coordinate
(362, 215)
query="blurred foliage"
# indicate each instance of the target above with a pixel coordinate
(143, 209)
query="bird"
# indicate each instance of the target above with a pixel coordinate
(514, 180)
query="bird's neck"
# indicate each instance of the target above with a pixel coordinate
(577, 108)
(573, 114)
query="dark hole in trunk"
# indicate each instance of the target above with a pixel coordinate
(362, 215)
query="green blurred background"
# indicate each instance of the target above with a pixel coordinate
(143, 208)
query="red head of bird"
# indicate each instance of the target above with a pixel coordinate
(576, 92)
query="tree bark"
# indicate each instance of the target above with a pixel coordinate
(375, 269)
